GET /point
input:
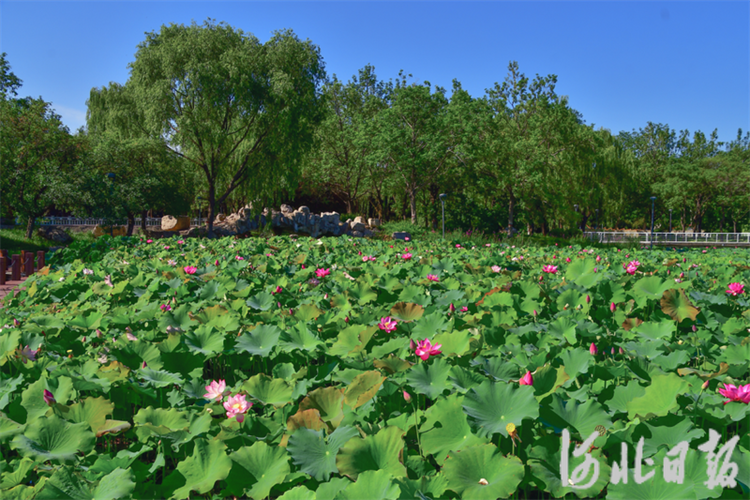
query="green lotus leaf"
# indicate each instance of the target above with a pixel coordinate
(427, 326)
(576, 361)
(407, 312)
(65, 485)
(660, 397)
(159, 421)
(90, 322)
(446, 429)
(373, 485)
(307, 312)
(204, 340)
(92, 411)
(159, 378)
(299, 337)
(55, 439)
(260, 341)
(262, 301)
(32, 399)
(7, 387)
(17, 473)
(363, 388)
(651, 287)
(623, 394)
(651, 330)
(424, 487)
(453, 343)
(736, 354)
(500, 369)
(314, 454)
(178, 318)
(298, 493)
(430, 379)
(492, 406)
(362, 294)
(468, 471)
(673, 360)
(581, 272)
(572, 298)
(464, 379)
(381, 451)
(676, 304)
(9, 428)
(8, 344)
(352, 340)
(547, 379)
(564, 329)
(209, 463)
(112, 427)
(329, 401)
(498, 298)
(257, 469)
(208, 291)
(267, 390)
(392, 364)
(545, 460)
(449, 297)
(583, 417)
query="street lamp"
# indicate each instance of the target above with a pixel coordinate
(112, 181)
(670, 220)
(653, 199)
(442, 201)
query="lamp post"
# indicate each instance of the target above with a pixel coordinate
(442, 201)
(653, 199)
(670, 220)
(112, 181)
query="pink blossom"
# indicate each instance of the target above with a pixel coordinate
(215, 390)
(612, 307)
(425, 349)
(217, 262)
(588, 299)
(190, 269)
(631, 270)
(740, 393)
(149, 241)
(550, 269)
(388, 324)
(432, 277)
(526, 379)
(735, 289)
(592, 349)
(278, 290)
(496, 269)
(598, 259)
(239, 257)
(180, 242)
(452, 308)
(406, 256)
(166, 307)
(407, 397)
(464, 309)
(567, 259)
(322, 272)
(166, 247)
(237, 406)
(49, 398)
(28, 354)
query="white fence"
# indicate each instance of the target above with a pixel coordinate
(644, 237)
(78, 221)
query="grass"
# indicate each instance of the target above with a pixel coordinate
(15, 240)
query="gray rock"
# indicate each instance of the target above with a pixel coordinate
(360, 220)
(286, 209)
(368, 233)
(357, 226)
(402, 235)
(373, 222)
(171, 223)
(54, 234)
(304, 210)
(358, 234)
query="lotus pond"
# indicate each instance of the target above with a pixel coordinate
(350, 369)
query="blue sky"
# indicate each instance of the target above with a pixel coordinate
(622, 64)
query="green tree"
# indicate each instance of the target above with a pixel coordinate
(239, 111)
(9, 82)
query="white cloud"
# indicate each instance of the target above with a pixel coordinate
(73, 118)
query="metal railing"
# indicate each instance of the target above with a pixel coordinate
(88, 221)
(688, 238)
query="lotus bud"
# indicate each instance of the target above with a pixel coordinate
(452, 308)
(291, 311)
(526, 379)
(325, 296)
(143, 365)
(84, 340)
(592, 349)
(412, 345)
(705, 385)
(621, 351)
(612, 307)
(407, 397)
(49, 398)
(535, 313)
(588, 299)
(217, 262)
(613, 351)
(98, 333)
(346, 319)
(16, 323)
(682, 275)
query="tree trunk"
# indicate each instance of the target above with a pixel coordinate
(131, 223)
(511, 207)
(30, 226)
(144, 213)
(434, 205)
(413, 205)
(211, 209)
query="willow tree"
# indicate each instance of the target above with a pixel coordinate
(241, 112)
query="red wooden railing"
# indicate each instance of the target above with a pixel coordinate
(19, 265)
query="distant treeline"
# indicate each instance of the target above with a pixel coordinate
(212, 119)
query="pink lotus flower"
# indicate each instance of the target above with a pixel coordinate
(432, 277)
(550, 269)
(49, 398)
(236, 406)
(425, 349)
(452, 308)
(464, 309)
(598, 259)
(322, 272)
(278, 290)
(592, 349)
(180, 242)
(28, 354)
(526, 379)
(166, 307)
(217, 262)
(588, 299)
(166, 247)
(567, 259)
(388, 324)
(631, 270)
(190, 269)
(496, 269)
(215, 390)
(740, 393)
(406, 256)
(735, 289)
(149, 241)
(458, 245)
(612, 307)
(239, 257)
(407, 239)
